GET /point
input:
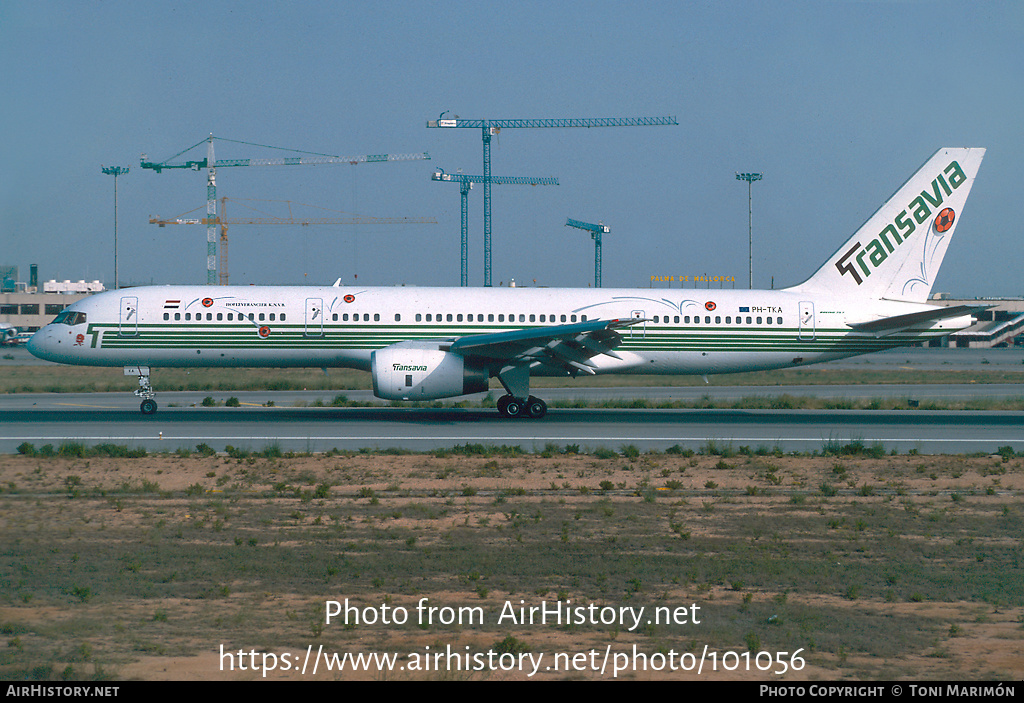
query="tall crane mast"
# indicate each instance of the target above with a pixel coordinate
(466, 182)
(309, 158)
(224, 221)
(595, 233)
(489, 128)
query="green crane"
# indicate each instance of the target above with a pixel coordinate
(595, 233)
(309, 158)
(465, 183)
(489, 128)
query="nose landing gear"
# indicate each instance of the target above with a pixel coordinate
(145, 390)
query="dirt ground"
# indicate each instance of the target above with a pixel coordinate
(870, 567)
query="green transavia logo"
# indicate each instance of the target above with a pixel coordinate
(902, 226)
(404, 367)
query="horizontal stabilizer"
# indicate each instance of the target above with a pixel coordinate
(897, 323)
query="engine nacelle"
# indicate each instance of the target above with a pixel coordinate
(424, 371)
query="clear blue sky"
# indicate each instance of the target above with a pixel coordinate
(836, 102)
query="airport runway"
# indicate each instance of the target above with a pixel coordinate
(96, 419)
(294, 424)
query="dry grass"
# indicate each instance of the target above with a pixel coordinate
(886, 568)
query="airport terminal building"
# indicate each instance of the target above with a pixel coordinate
(28, 307)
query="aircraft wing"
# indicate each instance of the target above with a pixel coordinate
(569, 346)
(897, 323)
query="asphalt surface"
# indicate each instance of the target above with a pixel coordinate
(295, 424)
(321, 429)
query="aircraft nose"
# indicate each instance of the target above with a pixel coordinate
(33, 345)
(40, 344)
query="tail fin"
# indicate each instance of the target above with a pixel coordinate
(896, 254)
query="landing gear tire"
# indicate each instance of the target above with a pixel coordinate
(148, 406)
(533, 408)
(512, 408)
(536, 408)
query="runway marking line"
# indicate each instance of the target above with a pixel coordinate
(533, 438)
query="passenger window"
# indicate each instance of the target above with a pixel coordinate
(177, 316)
(490, 317)
(398, 317)
(759, 320)
(522, 317)
(656, 318)
(376, 317)
(769, 320)
(778, 320)
(220, 316)
(458, 318)
(563, 318)
(583, 318)
(718, 319)
(261, 317)
(449, 317)
(188, 316)
(419, 317)
(572, 318)
(501, 318)
(543, 318)
(533, 318)
(686, 320)
(167, 316)
(282, 317)
(748, 320)
(677, 319)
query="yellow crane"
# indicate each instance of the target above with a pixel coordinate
(265, 218)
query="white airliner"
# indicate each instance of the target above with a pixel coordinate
(428, 343)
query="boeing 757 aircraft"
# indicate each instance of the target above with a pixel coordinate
(428, 343)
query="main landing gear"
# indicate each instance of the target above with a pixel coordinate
(533, 407)
(145, 390)
(519, 402)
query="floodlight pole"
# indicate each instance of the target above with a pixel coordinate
(750, 178)
(115, 171)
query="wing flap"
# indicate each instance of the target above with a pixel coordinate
(569, 346)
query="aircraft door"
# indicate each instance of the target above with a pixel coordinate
(128, 318)
(314, 317)
(641, 329)
(806, 321)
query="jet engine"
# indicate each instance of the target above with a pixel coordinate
(424, 371)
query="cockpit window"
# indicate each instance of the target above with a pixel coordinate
(70, 317)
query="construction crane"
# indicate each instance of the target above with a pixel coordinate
(223, 221)
(595, 233)
(489, 128)
(309, 158)
(465, 183)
